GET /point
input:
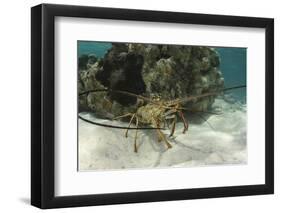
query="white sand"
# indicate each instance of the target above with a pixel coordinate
(223, 143)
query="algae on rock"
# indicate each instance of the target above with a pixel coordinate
(165, 71)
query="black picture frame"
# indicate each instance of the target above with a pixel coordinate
(43, 117)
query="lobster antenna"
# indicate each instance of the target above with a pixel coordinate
(113, 126)
(235, 87)
(203, 118)
(149, 99)
(117, 91)
(191, 98)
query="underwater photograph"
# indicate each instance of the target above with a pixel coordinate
(143, 106)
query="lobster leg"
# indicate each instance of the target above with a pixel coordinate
(127, 130)
(126, 115)
(156, 124)
(162, 136)
(185, 123)
(173, 125)
(169, 112)
(122, 116)
(136, 135)
(159, 137)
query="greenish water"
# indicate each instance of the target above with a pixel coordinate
(233, 63)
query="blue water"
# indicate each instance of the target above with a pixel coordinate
(233, 66)
(233, 63)
(91, 47)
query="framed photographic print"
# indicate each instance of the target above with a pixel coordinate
(140, 106)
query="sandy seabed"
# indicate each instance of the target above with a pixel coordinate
(219, 141)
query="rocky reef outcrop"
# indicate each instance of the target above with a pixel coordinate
(164, 71)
